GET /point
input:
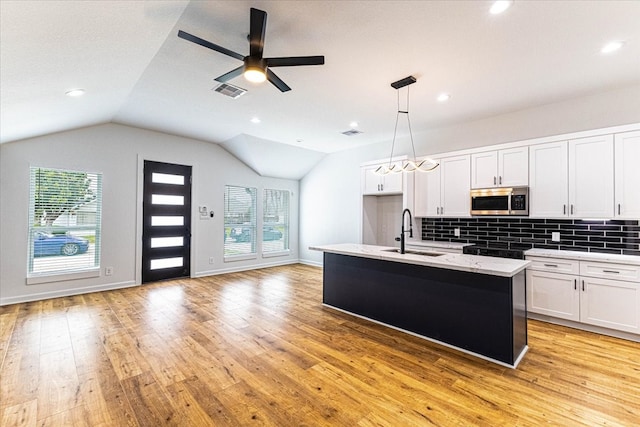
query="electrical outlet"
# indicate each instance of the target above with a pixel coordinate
(456, 232)
(210, 260)
(555, 236)
(108, 271)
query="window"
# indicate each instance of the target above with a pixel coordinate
(64, 221)
(275, 221)
(239, 221)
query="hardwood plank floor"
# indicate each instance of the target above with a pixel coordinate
(258, 348)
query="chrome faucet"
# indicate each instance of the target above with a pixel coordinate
(402, 230)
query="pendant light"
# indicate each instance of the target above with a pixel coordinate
(414, 165)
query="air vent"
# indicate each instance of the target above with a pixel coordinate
(351, 132)
(230, 90)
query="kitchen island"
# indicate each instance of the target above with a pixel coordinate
(475, 304)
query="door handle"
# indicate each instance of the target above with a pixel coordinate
(575, 284)
(494, 180)
(564, 209)
(583, 285)
(500, 180)
(571, 209)
(618, 208)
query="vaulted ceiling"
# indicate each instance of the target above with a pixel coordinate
(136, 71)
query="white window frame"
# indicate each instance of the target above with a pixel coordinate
(234, 227)
(282, 220)
(62, 268)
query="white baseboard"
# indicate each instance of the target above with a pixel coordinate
(584, 327)
(66, 292)
(243, 268)
(311, 263)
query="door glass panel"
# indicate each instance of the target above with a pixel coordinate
(165, 242)
(163, 199)
(166, 263)
(159, 221)
(165, 178)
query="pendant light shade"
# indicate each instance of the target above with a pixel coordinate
(415, 165)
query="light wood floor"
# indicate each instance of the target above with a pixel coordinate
(257, 348)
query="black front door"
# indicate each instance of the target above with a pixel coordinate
(166, 221)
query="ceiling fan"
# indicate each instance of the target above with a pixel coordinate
(255, 67)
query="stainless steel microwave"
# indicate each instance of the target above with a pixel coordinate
(500, 201)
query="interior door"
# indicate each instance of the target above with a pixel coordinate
(166, 218)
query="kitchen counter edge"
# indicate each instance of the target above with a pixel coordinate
(503, 267)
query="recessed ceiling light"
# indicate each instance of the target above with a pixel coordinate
(353, 124)
(75, 92)
(500, 6)
(443, 97)
(612, 46)
(255, 120)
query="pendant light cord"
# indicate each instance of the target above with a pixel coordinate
(409, 165)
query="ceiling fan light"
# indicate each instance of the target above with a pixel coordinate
(500, 6)
(255, 75)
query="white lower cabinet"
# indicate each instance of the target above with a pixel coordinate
(589, 292)
(553, 294)
(612, 304)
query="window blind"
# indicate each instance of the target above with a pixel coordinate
(65, 210)
(239, 221)
(275, 221)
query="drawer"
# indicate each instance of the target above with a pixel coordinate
(606, 270)
(556, 265)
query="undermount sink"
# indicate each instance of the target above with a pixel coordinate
(409, 251)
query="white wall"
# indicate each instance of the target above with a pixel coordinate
(117, 152)
(330, 193)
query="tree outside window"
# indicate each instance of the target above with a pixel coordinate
(64, 221)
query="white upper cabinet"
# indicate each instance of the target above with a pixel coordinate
(373, 183)
(500, 168)
(572, 179)
(627, 175)
(548, 184)
(426, 199)
(445, 190)
(591, 177)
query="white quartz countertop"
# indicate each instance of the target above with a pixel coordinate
(584, 256)
(472, 263)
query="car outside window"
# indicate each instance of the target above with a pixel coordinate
(64, 221)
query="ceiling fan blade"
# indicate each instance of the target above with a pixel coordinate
(258, 25)
(201, 42)
(293, 61)
(230, 75)
(275, 80)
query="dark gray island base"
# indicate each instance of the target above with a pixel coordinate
(481, 314)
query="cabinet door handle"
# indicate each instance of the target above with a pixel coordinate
(494, 180)
(551, 265)
(618, 208)
(381, 187)
(583, 285)
(610, 271)
(500, 180)
(564, 209)
(575, 284)
(441, 210)
(572, 209)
